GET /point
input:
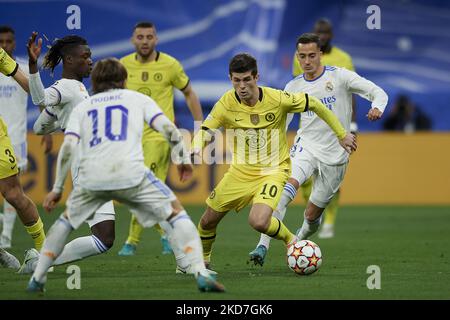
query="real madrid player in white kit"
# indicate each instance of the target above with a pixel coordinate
(108, 128)
(316, 151)
(60, 100)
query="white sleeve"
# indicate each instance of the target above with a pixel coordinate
(74, 124)
(46, 123)
(158, 121)
(64, 161)
(40, 96)
(290, 116)
(365, 88)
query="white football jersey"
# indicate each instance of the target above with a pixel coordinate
(64, 95)
(334, 88)
(13, 106)
(110, 126)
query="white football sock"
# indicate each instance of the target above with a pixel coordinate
(180, 257)
(189, 241)
(308, 228)
(53, 246)
(80, 248)
(289, 193)
(9, 217)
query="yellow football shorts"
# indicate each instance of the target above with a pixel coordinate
(8, 162)
(157, 157)
(235, 191)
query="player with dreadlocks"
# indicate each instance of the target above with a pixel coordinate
(59, 100)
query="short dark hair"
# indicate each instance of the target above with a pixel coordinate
(243, 62)
(108, 74)
(144, 24)
(308, 38)
(6, 29)
(60, 48)
(324, 21)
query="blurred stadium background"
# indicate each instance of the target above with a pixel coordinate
(393, 180)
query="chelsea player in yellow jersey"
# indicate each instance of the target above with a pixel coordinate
(155, 74)
(256, 119)
(331, 56)
(10, 187)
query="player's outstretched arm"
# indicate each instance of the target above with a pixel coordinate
(346, 140)
(46, 123)
(63, 163)
(180, 154)
(368, 90)
(10, 68)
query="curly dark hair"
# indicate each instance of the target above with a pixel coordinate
(60, 48)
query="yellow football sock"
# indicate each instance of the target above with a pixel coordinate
(331, 210)
(159, 229)
(36, 231)
(279, 231)
(134, 234)
(207, 237)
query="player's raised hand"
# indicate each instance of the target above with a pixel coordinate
(374, 114)
(51, 200)
(185, 171)
(349, 143)
(33, 48)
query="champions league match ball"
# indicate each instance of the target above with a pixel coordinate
(304, 257)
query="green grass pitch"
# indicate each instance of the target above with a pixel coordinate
(411, 245)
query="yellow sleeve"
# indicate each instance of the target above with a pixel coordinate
(326, 115)
(7, 64)
(179, 78)
(214, 120)
(296, 68)
(293, 102)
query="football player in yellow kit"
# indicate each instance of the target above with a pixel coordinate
(256, 117)
(155, 74)
(10, 186)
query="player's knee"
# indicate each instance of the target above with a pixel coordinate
(107, 240)
(294, 182)
(259, 225)
(104, 231)
(15, 197)
(176, 206)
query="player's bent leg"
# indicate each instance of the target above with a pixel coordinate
(134, 235)
(207, 231)
(306, 188)
(101, 240)
(26, 210)
(330, 214)
(189, 241)
(53, 246)
(311, 222)
(288, 195)
(165, 243)
(261, 219)
(9, 218)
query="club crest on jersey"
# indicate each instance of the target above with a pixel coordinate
(158, 76)
(270, 117)
(144, 76)
(254, 118)
(329, 86)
